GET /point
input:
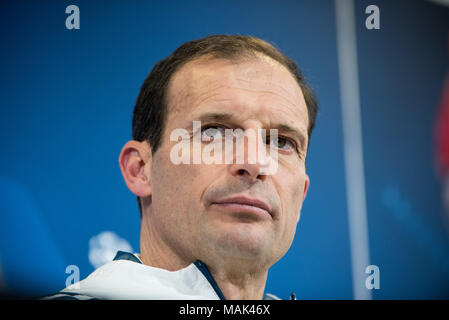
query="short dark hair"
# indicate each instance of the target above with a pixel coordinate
(150, 111)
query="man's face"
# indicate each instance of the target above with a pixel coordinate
(188, 200)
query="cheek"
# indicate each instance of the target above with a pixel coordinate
(297, 197)
(168, 179)
(292, 192)
(177, 188)
(173, 204)
(168, 186)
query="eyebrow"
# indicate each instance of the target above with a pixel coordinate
(214, 116)
(292, 131)
(228, 117)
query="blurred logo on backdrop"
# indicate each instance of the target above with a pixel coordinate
(442, 143)
(104, 246)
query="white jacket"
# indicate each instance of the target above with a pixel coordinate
(126, 277)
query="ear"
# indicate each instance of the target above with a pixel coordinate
(135, 164)
(306, 188)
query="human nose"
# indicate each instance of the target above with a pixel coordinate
(251, 160)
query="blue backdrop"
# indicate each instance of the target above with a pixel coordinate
(66, 104)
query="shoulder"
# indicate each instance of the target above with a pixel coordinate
(67, 296)
(102, 282)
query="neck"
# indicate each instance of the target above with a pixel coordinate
(155, 252)
(236, 279)
(240, 285)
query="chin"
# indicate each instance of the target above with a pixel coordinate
(245, 241)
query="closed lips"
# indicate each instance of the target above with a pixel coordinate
(243, 201)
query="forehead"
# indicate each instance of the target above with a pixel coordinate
(258, 88)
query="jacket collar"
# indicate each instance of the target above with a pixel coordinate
(202, 268)
(121, 255)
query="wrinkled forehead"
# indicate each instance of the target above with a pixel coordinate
(204, 81)
(207, 73)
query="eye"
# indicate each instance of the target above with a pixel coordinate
(212, 132)
(282, 143)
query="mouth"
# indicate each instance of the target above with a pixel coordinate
(242, 204)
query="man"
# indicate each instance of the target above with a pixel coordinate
(212, 230)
